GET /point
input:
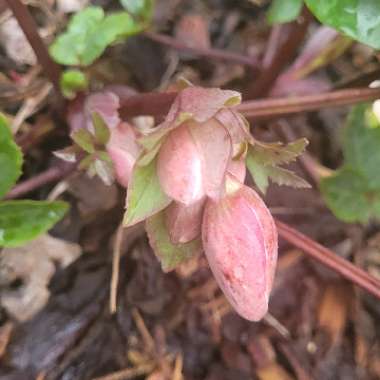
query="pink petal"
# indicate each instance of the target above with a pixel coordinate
(240, 242)
(179, 167)
(106, 104)
(201, 103)
(237, 168)
(184, 222)
(123, 150)
(214, 145)
(235, 125)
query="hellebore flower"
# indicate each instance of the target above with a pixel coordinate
(197, 141)
(240, 242)
(110, 136)
(123, 150)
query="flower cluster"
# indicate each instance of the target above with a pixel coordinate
(186, 180)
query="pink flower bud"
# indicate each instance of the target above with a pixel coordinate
(184, 222)
(240, 242)
(179, 167)
(123, 150)
(193, 161)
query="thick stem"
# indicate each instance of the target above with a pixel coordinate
(55, 173)
(328, 258)
(29, 27)
(158, 104)
(217, 54)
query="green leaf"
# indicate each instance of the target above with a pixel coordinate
(286, 177)
(139, 8)
(262, 160)
(258, 172)
(277, 153)
(348, 196)
(361, 145)
(10, 158)
(145, 196)
(169, 254)
(73, 81)
(281, 11)
(89, 33)
(102, 132)
(24, 220)
(84, 139)
(358, 19)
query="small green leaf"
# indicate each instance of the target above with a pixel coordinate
(286, 177)
(24, 220)
(358, 19)
(277, 153)
(105, 171)
(102, 132)
(262, 161)
(10, 158)
(281, 11)
(145, 196)
(89, 33)
(73, 81)
(347, 195)
(142, 9)
(84, 139)
(258, 172)
(169, 254)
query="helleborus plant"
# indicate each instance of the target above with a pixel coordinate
(185, 179)
(188, 185)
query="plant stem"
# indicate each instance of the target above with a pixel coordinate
(29, 27)
(212, 53)
(158, 104)
(285, 106)
(283, 45)
(328, 258)
(55, 173)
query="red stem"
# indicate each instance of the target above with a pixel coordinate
(158, 104)
(55, 173)
(29, 27)
(330, 259)
(217, 54)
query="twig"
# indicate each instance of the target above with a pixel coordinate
(287, 41)
(116, 268)
(212, 53)
(158, 104)
(328, 258)
(129, 373)
(52, 174)
(29, 27)
(307, 103)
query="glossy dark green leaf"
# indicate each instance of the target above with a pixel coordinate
(10, 158)
(281, 11)
(89, 33)
(358, 19)
(169, 254)
(24, 220)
